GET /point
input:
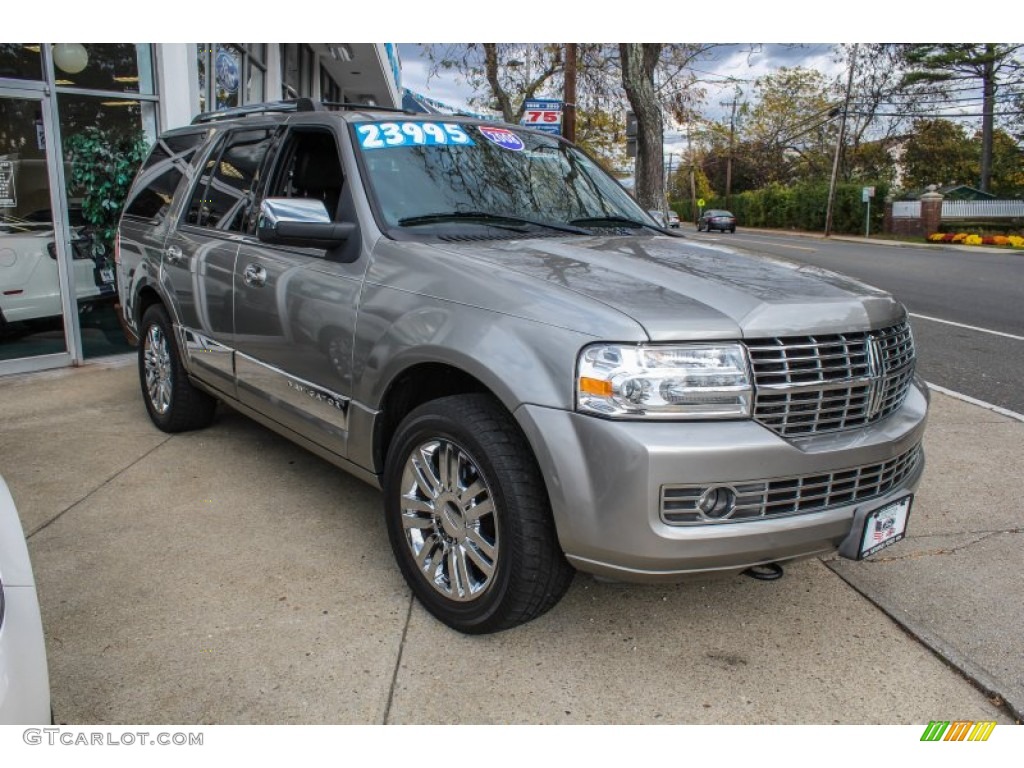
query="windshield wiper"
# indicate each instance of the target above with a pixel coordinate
(485, 216)
(613, 221)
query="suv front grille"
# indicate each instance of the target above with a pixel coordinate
(765, 499)
(810, 384)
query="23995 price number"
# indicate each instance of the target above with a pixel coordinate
(389, 135)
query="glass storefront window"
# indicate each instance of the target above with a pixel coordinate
(21, 61)
(115, 116)
(110, 133)
(255, 86)
(290, 70)
(256, 72)
(119, 67)
(231, 75)
(227, 69)
(31, 313)
(203, 56)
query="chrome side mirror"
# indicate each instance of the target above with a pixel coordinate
(299, 222)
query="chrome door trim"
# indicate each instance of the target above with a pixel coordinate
(311, 401)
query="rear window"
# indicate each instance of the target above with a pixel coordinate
(153, 191)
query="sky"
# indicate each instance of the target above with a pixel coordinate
(732, 65)
(733, 62)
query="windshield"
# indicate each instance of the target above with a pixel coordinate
(431, 173)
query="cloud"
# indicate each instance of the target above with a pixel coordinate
(444, 87)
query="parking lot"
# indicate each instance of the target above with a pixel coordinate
(228, 576)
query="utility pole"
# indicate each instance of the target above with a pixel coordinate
(569, 107)
(839, 144)
(732, 143)
(668, 186)
(693, 178)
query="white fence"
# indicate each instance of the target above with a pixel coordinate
(979, 209)
(963, 209)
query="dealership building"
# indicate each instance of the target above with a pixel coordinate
(68, 109)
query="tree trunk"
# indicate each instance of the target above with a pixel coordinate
(491, 73)
(638, 64)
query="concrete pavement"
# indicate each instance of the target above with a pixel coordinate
(227, 576)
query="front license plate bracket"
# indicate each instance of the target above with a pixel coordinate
(876, 528)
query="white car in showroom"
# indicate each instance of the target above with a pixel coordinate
(29, 286)
(24, 680)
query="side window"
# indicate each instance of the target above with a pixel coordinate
(153, 191)
(310, 168)
(228, 182)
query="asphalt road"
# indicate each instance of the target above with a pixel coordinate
(967, 307)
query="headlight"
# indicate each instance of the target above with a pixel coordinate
(692, 381)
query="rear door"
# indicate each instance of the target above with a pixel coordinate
(148, 217)
(199, 258)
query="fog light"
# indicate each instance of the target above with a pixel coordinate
(717, 502)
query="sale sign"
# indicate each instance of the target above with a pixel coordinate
(543, 115)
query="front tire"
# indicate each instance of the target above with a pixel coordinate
(469, 519)
(173, 403)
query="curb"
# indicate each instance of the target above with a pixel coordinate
(977, 674)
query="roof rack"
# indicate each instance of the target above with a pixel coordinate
(349, 105)
(288, 105)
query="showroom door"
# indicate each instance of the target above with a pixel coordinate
(34, 279)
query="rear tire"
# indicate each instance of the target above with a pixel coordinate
(469, 519)
(173, 403)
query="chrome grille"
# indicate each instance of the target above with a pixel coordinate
(764, 499)
(810, 384)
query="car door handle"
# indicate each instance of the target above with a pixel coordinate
(174, 255)
(255, 275)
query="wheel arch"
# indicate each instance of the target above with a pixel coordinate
(413, 386)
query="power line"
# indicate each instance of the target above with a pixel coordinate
(1013, 113)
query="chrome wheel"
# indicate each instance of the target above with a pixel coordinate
(449, 520)
(158, 369)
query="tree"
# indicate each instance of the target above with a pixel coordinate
(940, 152)
(602, 134)
(639, 62)
(881, 103)
(951, 63)
(103, 165)
(510, 74)
(787, 130)
(1007, 165)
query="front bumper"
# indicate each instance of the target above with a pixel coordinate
(605, 481)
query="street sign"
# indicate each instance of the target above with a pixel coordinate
(700, 203)
(866, 194)
(543, 115)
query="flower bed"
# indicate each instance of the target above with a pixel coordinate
(962, 238)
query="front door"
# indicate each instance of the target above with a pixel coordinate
(32, 263)
(295, 309)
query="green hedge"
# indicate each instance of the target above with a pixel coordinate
(801, 206)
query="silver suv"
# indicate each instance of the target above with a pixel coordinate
(478, 320)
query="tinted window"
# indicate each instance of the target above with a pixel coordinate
(223, 197)
(310, 168)
(153, 191)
